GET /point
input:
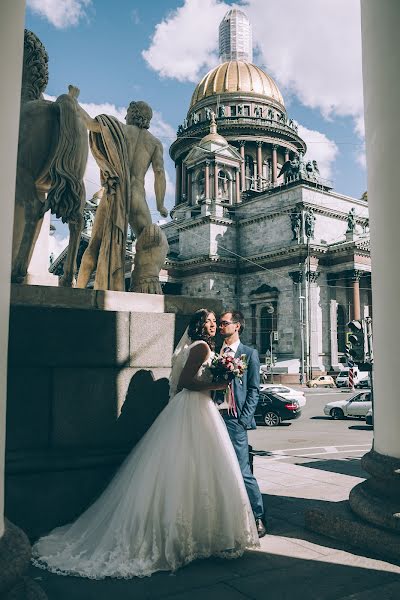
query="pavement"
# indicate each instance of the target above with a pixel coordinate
(292, 563)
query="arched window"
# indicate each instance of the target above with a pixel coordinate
(341, 328)
(268, 322)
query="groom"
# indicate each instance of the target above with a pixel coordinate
(231, 324)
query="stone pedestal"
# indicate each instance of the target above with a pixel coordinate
(88, 375)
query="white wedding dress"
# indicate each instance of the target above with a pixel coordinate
(178, 496)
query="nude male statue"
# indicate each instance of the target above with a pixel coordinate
(143, 149)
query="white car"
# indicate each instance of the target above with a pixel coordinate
(285, 392)
(356, 406)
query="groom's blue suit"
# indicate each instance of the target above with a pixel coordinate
(246, 398)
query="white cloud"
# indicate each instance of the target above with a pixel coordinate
(321, 149)
(185, 43)
(312, 49)
(316, 54)
(57, 243)
(60, 13)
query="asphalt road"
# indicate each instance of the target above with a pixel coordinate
(315, 438)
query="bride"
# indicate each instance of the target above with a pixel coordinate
(178, 496)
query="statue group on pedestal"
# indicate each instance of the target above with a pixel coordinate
(298, 168)
(50, 176)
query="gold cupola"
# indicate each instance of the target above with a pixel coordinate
(236, 77)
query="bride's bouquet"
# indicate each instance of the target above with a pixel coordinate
(227, 368)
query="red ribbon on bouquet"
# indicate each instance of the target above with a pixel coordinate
(231, 400)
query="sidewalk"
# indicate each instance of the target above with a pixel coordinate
(292, 563)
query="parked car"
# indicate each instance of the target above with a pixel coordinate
(361, 379)
(342, 380)
(285, 391)
(272, 409)
(356, 406)
(364, 380)
(321, 381)
(369, 419)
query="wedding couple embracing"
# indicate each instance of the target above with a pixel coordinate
(186, 490)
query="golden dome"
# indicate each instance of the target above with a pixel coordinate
(236, 76)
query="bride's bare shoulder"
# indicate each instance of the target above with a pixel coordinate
(200, 348)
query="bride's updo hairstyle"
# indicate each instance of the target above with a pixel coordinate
(196, 329)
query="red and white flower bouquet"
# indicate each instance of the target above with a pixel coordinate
(227, 368)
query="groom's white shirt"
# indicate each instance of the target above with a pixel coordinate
(233, 348)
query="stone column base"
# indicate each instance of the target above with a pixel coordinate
(377, 500)
(15, 556)
(338, 521)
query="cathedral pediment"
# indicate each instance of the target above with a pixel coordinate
(264, 289)
(212, 151)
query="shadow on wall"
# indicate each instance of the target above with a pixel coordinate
(145, 399)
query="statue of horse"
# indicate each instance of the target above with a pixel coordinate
(52, 156)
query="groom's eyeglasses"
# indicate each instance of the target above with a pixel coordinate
(225, 323)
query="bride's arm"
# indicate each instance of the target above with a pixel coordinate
(197, 356)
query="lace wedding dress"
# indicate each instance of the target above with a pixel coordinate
(178, 496)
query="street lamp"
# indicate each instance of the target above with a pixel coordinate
(270, 311)
(301, 298)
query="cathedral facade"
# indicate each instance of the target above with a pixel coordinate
(255, 224)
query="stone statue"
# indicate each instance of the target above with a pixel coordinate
(270, 114)
(208, 113)
(351, 221)
(88, 220)
(222, 110)
(290, 169)
(124, 153)
(185, 123)
(282, 119)
(240, 109)
(51, 258)
(151, 252)
(309, 223)
(302, 166)
(295, 220)
(312, 170)
(258, 112)
(52, 157)
(180, 129)
(195, 118)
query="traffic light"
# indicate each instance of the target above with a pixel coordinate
(356, 349)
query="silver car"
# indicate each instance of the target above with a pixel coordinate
(356, 406)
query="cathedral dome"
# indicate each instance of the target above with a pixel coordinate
(233, 77)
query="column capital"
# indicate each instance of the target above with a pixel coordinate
(356, 274)
(312, 276)
(259, 143)
(207, 162)
(296, 276)
(275, 146)
(242, 143)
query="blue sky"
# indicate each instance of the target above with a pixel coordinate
(157, 51)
